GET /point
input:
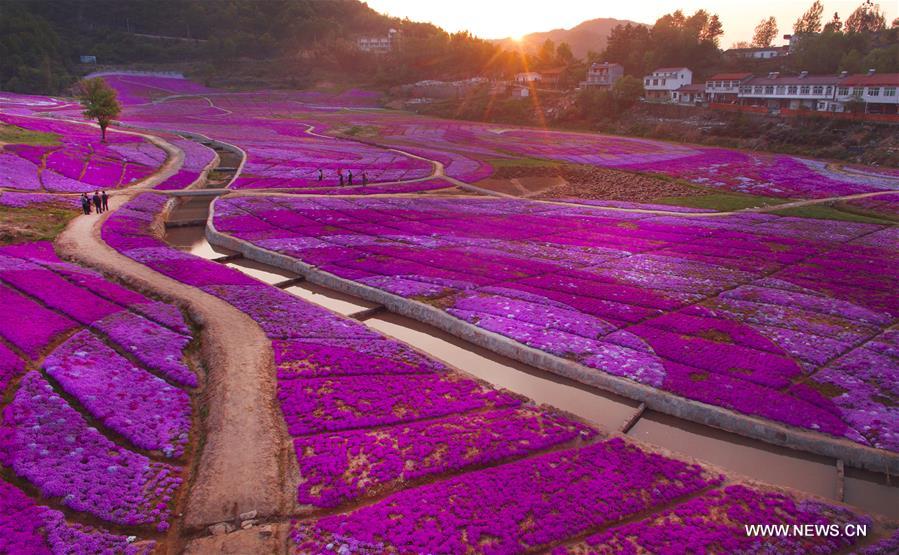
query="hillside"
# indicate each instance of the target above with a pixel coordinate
(589, 35)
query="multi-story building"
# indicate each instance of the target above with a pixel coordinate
(874, 93)
(724, 88)
(379, 45)
(803, 91)
(663, 81)
(603, 75)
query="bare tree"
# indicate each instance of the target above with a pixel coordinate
(765, 32)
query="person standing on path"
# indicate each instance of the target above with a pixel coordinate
(320, 175)
(98, 204)
(350, 177)
(364, 179)
(105, 198)
(85, 203)
(340, 175)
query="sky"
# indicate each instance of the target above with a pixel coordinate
(512, 18)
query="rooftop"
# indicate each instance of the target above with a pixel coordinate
(872, 79)
(729, 76)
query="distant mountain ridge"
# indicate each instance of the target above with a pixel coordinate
(588, 35)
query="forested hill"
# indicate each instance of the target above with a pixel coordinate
(40, 42)
(591, 35)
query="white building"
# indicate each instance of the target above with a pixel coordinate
(758, 53)
(876, 92)
(379, 45)
(725, 87)
(603, 75)
(527, 77)
(803, 91)
(663, 81)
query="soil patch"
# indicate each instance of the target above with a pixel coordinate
(586, 182)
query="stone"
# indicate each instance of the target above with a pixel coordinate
(221, 528)
(249, 515)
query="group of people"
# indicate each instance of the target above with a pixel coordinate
(344, 179)
(100, 200)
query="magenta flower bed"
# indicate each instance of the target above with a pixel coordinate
(736, 312)
(512, 508)
(79, 163)
(46, 442)
(26, 527)
(339, 467)
(144, 409)
(714, 523)
(379, 421)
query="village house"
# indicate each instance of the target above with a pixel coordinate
(875, 92)
(663, 81)
(603, 75)
(758, 53)
(551, 78)
(724, 88)
(689, 94)
(379, 45)
(797, 92)
(527, 77)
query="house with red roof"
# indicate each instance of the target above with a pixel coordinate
(661, 83)
(874, 93)
(724, 88)
(689, 94)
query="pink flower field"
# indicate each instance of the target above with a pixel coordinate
(778, 318)
(154, 401)
(78, 163)
(97, 410)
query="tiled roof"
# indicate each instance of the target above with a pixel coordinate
(797, 80)
(891, 79)
(729, 76)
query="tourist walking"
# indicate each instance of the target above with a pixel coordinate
(350, 177)
(85, 203)
(98, 204)
(105, 198)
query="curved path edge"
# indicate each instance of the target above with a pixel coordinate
(851, 453)
(228, 478)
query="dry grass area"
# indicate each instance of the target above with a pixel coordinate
(22, 225)
(588, 182)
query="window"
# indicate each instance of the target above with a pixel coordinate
(856, 91)
(781, 89)
(655, 81)
(818, 89)
(745, 90)
(804, 89)
(758, 89)
(829, 90)
(889, 91)
(873, 91)
(647, 82)
(792, 89)
(843, 91)
(769, 89)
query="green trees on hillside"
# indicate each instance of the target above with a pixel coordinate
(675, 39)
(30, 57)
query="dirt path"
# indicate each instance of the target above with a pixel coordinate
(241, 462)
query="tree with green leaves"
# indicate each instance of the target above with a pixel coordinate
(810, 21)
(866, 18)
(100, 102)
(765, 33)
